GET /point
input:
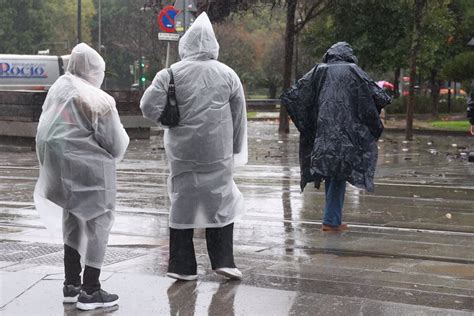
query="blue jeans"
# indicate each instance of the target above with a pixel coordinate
(335, 190)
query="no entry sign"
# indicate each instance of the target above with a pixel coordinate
(166, 19)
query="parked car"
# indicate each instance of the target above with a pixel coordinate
(30, 72)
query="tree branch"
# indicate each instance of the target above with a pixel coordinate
(311, 14)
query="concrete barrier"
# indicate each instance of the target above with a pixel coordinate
(128, 106)
(19, 115)
(20, 112)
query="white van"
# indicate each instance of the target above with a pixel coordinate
(30, 72)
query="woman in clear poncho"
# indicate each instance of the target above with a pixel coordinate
(79, 139)
(202, 151)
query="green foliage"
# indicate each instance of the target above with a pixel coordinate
(272, 64)
(219, 10)
(29, 26)
(127, 34)
(437, 29)
(23, 26)
(251, 115)
(63, 15)
(423, 105)
(461, 68)
(252, 44)
(452, 125)
(236, 42)
(376, 30)
(251, 40)
(463, 11)
(316, 39)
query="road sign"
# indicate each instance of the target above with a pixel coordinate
(173, 37)
(166, 19)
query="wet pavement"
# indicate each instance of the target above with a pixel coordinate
(410, 249)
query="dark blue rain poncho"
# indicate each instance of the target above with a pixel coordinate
(336, 107)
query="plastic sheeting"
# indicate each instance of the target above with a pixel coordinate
(336, 109)
(211, 138)
(79, 139)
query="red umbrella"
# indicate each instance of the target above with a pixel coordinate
(385, 84)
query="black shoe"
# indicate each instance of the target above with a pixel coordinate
(71, 293)
(97, 299)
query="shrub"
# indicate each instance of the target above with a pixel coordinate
(423, 105)
(460, 68)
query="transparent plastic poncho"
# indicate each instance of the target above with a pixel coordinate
(211, 138)
(79, 140)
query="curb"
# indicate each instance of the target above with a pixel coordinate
(434, 132)
(416, 131)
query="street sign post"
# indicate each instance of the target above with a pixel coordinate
(172, 37)
(166, 22)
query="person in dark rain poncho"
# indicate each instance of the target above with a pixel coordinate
(336, 108)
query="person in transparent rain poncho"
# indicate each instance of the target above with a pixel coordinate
(202, 151)
(79, 140)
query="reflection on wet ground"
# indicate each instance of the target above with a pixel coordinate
(414, 234)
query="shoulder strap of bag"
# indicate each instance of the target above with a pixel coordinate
(171, 75)
(171, 88)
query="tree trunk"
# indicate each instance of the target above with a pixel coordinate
(272, 91)
(449, 96)
(79, 22)
(289, 45)
(415, 48)
(454, 90)
(396, 81)
(434, 87)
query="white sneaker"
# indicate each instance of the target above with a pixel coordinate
(183, 277)
(231, 273)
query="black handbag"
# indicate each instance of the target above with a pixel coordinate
(170, 115)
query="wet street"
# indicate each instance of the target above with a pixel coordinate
(409, 250)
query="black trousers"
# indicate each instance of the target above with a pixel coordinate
(72, 270)
(219, 247)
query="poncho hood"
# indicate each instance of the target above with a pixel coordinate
(341, 51)
(87, 64)
(199, 42)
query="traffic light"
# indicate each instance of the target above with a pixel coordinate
(141, 73)
(143, 69)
